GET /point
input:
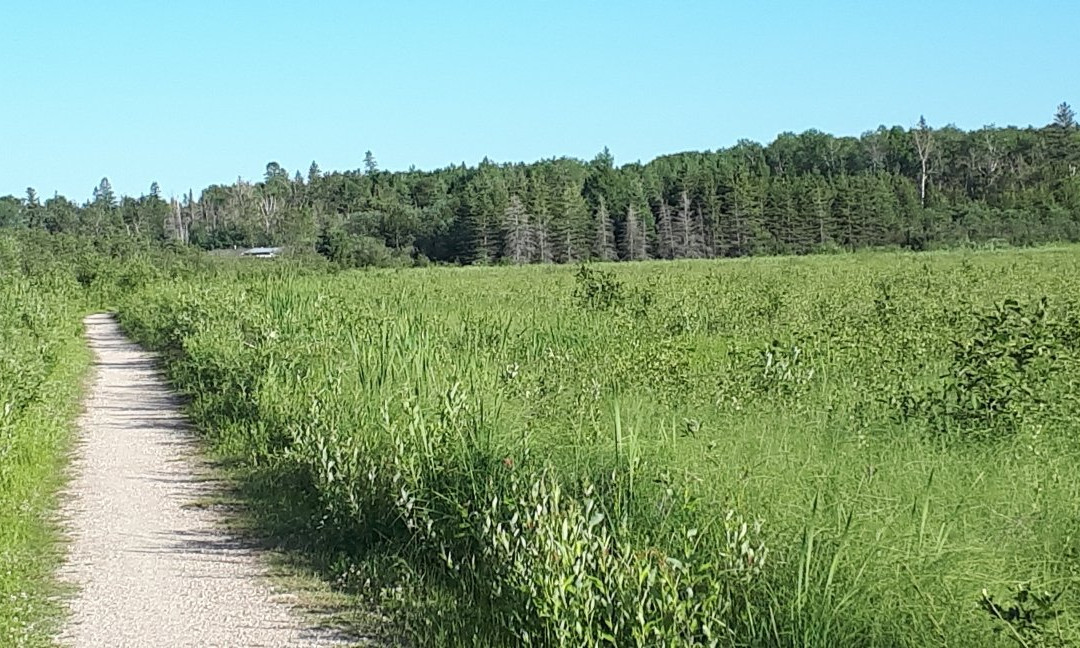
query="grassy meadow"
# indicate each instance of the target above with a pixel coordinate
(42, 364)
(859, 450)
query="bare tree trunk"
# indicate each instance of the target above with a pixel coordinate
(178, 221)
(268, 207)
(924, 145)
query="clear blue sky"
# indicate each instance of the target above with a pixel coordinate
(192, 93)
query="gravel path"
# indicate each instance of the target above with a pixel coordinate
(153, 567)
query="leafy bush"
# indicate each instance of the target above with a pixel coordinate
(597, 289)
(1027, 618)
(998, 374)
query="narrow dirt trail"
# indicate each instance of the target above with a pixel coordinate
(153, 567)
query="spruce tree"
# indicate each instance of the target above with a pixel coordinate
(104, 197)
(604, 235)
(688, 234)
(33, 208)
(633, 242)
(542, 247)
(1064, 117)
(517, 235)
(568, 226)
(667, 247)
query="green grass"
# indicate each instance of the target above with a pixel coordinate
(47, 284)
(771, 452)
(41, 371)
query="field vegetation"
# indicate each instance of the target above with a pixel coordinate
(858, 450)
(694, 447)
(47, 284)
(41, 365)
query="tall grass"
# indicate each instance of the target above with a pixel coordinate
(771, 452)
(42, 362)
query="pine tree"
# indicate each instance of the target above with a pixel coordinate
(689, 242)
(480, 209)
(633, 241)
(667, 247)
(517, 235)
(779, 214)
(1064, 117)
(744, 210)
(542, 247)
(371, 167)
(33, 208)
(604, 235)
(880, 218)
(813, 218)
(104, 196)
(708, 213)
(569, 224)
(845, 211)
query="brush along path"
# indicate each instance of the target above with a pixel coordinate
(153, 567)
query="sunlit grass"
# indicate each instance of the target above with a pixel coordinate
(42, 363)
(404, 422)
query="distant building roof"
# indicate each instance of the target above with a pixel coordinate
(262, 251)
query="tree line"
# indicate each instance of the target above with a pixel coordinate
(917, 188)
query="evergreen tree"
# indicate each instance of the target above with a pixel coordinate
(781, 217)
(745, 227)
(845, 212)
(33, 209)
(633, 242)
(687, 230)
(517, 234)
(1064, 117)
(542, 244)
(604, 235)
(666, 246)
(104, 196)
(568, 225)
(914, 187)
(61, 215)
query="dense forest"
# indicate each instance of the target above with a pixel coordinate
(914, 188)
